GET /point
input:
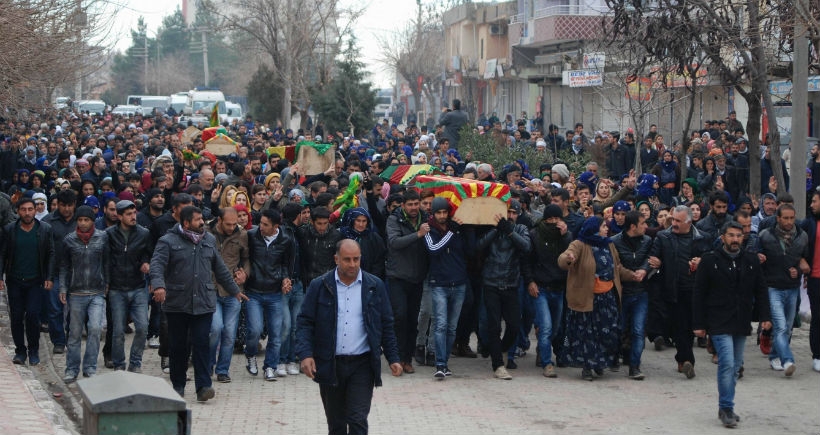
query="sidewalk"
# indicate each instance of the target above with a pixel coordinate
(27, 407)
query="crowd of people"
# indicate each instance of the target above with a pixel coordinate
(110, 221)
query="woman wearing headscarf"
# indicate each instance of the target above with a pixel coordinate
(357, 225)
(668, 173)
(593, 293)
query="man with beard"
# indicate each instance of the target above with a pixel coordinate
(633, 247)
(407, 267)
(183, 267)
(26, 253)
(154, 208)
(729, 283)
(62, 222)
(811, 225)
(547, 282)
(713, 222)
(785, 247)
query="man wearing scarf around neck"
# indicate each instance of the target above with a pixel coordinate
(184, 261)
(786, 248)
(83, 283)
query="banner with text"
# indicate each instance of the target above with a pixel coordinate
(583, 78)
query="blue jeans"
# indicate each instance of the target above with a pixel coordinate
(86, 311)
(123, 303)
(55, 314)
(292, 305)
(264, 308)
(446, 309)
(783, 304)
(729, 350)
(548, 308)
(223, 333)
(634, 309)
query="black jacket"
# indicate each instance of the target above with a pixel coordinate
(186, 271)
(316, 251)
(634, 253)
(59, 229)
(505, 254)
(406, 253)
(125, 258)
(316, 326)
(45, 249)
(84, 267)
(727, 288)
(542, 266)
(271, 264)
(675, 251)
(374, 254)
(779, 258)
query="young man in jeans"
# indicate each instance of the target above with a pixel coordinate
(729, 282)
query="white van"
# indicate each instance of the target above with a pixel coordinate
(234, 113)
(177, 102)
(149, 103)
(94, 107)
(200, 104)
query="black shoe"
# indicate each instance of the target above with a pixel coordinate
(129, 329)
(204, 394)
(659, 342)
(19, 359)
(616, 367)
(598, 372)
(727, 417)
(740, 373)
(439, 374)
(447, 371)
(419, 356)
(702, 342)
(33, 359)
(485, 353)
(430, 358)
(180, 391)
(109, 363)
(44, 327)
(635, 373)
(225, 379)
(163, 363)
(688, 369)
(586, 374)
(59, 349)
(511, 365)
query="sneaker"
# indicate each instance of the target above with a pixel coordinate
(109, 363)
(549, 371)
(225, 379)
(447, 371)
(659, 342)
(776, 365)
(204, 393)
(815, 364)
(33, 359)
(252, 367)
(727, 417)
(439, 374)
(59, 349)
(635, 373)
(511, 364)
(688, 369)
(69, 378)
(163, 363)
(281, 370)
(586, 374)
(19, 359)
(788, 368)
(502, 373)
(293, 368)
(598, 372)
(520, 352)
(270, 374)
(153, 342)
(135, 369)
(119, 368)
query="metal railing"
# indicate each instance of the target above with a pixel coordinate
(583, 10)
(520, 18)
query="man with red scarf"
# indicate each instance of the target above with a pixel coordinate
(83, 282)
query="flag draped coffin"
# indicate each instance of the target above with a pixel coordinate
(403, 174)
(474, 202)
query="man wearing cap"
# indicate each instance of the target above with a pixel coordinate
(154, 208)
(506, 245)
(546, 282)
(129, 253)
(62, 222)
(448, 249)
(84, 277)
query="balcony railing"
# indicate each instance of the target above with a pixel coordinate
(569, 10)
(520, 18)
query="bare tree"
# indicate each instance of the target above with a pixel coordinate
(416, 51)
(300, 39)
(45, 44)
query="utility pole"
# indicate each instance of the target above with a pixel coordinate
(145, 47)
(800, 128)
(201, 46)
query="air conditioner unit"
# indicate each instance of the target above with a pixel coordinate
(498, 29)
(555, 70)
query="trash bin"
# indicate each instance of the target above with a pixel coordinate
(122, 402)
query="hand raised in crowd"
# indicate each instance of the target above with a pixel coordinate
(216, 193)
(562, 226)
(772, 184)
